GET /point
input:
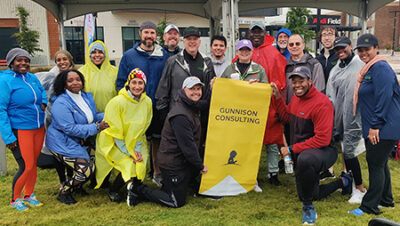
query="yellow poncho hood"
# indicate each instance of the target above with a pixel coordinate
(128, 120)
(100, 81)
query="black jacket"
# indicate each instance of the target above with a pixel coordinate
(327, 64)
(180, 140)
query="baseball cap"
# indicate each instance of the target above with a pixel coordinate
(169, 27)
(258, 24)
(191, 81)
(244, 43)
(189, 31)
(341, 41)
(301, 71)
(366, 40)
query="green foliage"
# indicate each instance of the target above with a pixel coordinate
(274, 206)
(160, 30)
(26, 38)
(297, 22)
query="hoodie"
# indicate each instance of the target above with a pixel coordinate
(286, 54)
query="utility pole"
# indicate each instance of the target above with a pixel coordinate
(394, 31)
(3, 159)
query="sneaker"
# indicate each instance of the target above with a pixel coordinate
(273, 179)
(19, 205)
(358, 212)
(326, 175)
(66, 198)
(348, 189)
(257, 188)
(357, 196)
(114, 197)
(32, 201)
(157, 180)
(309, 215)
(132, 199)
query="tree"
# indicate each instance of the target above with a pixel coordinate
(26, 38)
(160, 30)
(297, 22)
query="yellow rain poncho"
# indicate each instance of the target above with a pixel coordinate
(128, 120)
(100, 82)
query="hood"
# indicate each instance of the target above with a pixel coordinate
(89, 62)
(284, 30)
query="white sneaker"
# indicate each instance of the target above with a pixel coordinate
(357, 196)
(257, 188)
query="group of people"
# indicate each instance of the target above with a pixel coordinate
(103, 122)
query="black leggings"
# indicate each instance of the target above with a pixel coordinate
(46, 161)
(82, 169)
(354, 165)
(309, 165)
(173, 192)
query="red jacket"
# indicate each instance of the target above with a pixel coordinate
(274, 64)
(310, 118)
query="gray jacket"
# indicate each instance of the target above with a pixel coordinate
(220, 65)
(176, 70)
(317, 73)
(340, 90)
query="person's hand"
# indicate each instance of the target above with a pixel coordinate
(138, 157)
(103, 125)
(43, 107)
(12, 146)
(284, 151)
(254, 80)
(275, 90)
(205, 170)
(212, 82)
(373, 136)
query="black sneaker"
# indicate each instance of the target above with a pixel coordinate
(212, 197)
(326, 175)
(386, 205)
(348, 189)
(273, 179)
(132, 198)
(114, 197)
(66, 198)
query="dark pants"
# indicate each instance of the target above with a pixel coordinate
(380, 187)
(173, 192)
(309, 165)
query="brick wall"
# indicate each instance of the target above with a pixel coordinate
(384, 25)
(54, 37)
(9, 22)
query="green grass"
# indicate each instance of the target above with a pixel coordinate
(274, 206)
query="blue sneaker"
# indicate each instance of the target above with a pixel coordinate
(32, 201)
(309, 215)
(19, 205)
(358, 212)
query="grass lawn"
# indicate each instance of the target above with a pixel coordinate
(274, 206)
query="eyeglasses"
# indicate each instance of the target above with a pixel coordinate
(291, 44)
(327, 35)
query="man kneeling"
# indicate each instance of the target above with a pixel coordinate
(178, 157)
(310, 114)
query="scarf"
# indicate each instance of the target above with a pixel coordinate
(360, 78)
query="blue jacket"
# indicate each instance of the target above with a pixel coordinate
(70, 125)
(286, 54)
(21, 97)
(152, 66)
(379, 102)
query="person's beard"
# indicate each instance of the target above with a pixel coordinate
(283, 45)
(148, 42)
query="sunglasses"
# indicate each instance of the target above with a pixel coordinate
(291, 44)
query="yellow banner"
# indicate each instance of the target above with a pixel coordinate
(238, 115)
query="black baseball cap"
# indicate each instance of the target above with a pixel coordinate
(341, 41)
(189, 31)
(301, 71)
(367, 40)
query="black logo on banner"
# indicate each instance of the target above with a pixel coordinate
(231, 160)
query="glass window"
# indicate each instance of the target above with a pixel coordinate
(130, 35)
